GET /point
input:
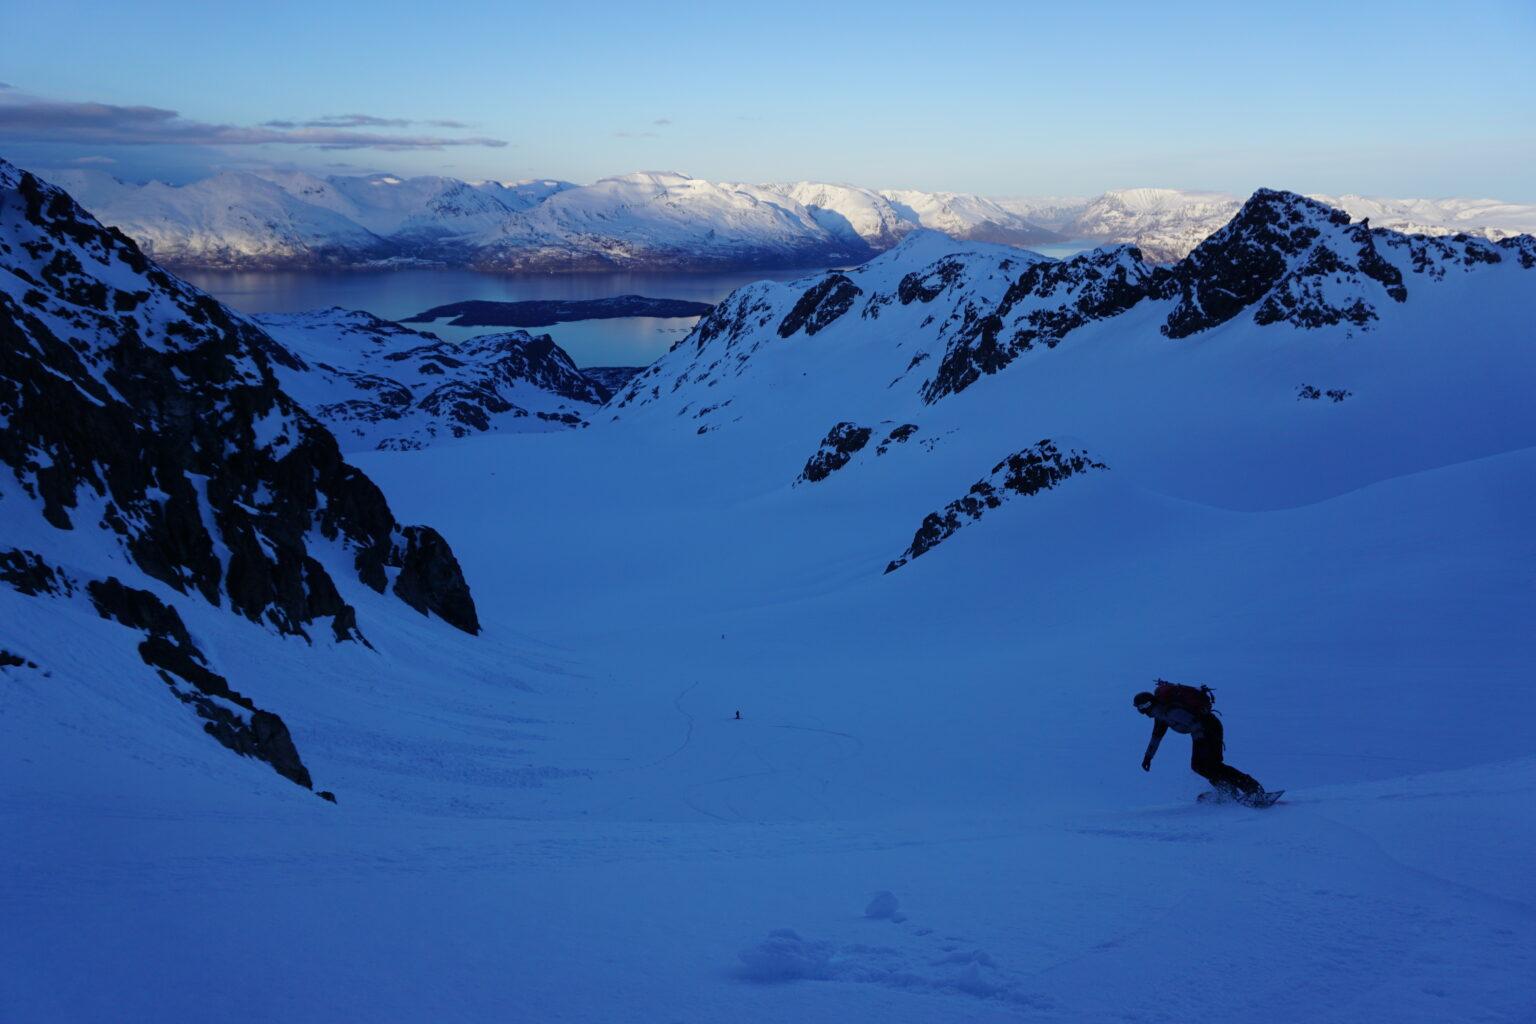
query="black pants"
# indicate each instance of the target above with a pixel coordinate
(1206, 760)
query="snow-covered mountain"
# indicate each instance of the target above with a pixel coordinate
(421, 215)
(661, 220)
(658, 220)
(803, 683)
(928, 321)
(882, 218)
(1051, 212)
(1166, 224)
(1483, 218)
(967, 218)
(154, 464)
(377, 384)
(231, 219)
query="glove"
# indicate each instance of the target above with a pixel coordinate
(1146, 764)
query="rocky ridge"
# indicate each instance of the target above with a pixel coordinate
(969, 313)
(145, 430)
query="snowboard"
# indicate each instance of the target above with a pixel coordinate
(1262, 799)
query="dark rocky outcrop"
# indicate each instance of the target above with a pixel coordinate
(839, 446)
(169, 649)
(821, 305)
(929, 283)
(430, 579)
(9, 659)
(843, 442)
(26, 573)
(1048, 301)
(1030, 471)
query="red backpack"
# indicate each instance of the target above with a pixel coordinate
(1199, 700)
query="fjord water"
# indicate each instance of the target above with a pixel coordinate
(397, 294)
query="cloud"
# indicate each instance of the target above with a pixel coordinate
(634, 135)
(93, 160)
(360, 121)
(6, 85)
(30, 119)
(662, 120)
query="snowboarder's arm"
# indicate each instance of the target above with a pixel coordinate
(1159, 727)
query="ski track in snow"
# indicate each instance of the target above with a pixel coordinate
(677, 703)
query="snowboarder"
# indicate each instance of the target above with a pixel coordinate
(1205, 733)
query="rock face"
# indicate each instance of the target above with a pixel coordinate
(1030, 471)
(377, 384)
(168, 647)
(137, 408)
(1041, 307)
(843, 442)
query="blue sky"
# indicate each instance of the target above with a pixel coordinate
(1391, 99)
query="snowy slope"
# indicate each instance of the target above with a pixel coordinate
(563, 818)
(377, 384)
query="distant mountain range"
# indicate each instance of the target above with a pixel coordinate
(659, 221)
(655, 221)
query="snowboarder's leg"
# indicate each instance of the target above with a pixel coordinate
(1206, 761)
(1235, 780)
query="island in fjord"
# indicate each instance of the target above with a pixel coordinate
(544, 312)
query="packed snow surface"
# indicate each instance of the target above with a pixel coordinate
(929, 807)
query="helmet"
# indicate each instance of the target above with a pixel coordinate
(1143, 701)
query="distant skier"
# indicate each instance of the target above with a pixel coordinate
(1187, 710)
